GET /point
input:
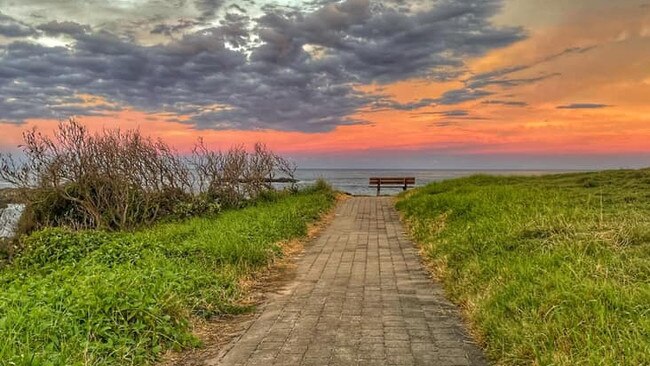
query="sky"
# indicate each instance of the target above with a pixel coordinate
(468, 84)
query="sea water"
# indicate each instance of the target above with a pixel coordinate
(355, 181)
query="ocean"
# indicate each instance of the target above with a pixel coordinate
(355, 181)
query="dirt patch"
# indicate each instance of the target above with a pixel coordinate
(217, 333)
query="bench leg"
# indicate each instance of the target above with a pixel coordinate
(378, 189)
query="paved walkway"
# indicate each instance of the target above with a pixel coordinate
(360, 297)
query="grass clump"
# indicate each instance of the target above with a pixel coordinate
(551, 270)
(99, 298)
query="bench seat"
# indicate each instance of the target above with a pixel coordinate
(391, 182)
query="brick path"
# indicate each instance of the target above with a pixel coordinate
(360, 297)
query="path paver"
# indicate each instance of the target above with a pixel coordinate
(361, 297)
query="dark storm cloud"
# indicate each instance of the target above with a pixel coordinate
(66, 27)
(458, 96)
(289, 69)
(583, 106)
(57, 103)
(385, 103)
(389, 45)
(208, 8)
(11, 28)
(169, 29)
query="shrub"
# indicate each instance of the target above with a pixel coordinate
(109, 180)
(117, 179)
(321, 185)
(237, 176)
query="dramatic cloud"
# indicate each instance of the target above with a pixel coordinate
(120, 17)
(178, 26)
(69, 28)
(583, 106)
(384, 103)
(286, 69)
(208, 8)
(458, 96)
(11, 28)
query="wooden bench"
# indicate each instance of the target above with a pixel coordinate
(391, 182)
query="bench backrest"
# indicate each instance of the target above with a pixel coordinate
(392, 180)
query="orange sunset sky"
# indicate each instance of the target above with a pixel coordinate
(434, 84)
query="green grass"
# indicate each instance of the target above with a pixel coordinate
(96, 298)
(551, 270)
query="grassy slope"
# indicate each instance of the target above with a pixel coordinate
(97, 298)
(549, 270)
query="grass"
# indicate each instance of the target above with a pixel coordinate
(551, 270)
(96, 298)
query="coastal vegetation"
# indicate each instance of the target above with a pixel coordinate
(115, 298)
(125, 243)
(120, 179)
(551, 270)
